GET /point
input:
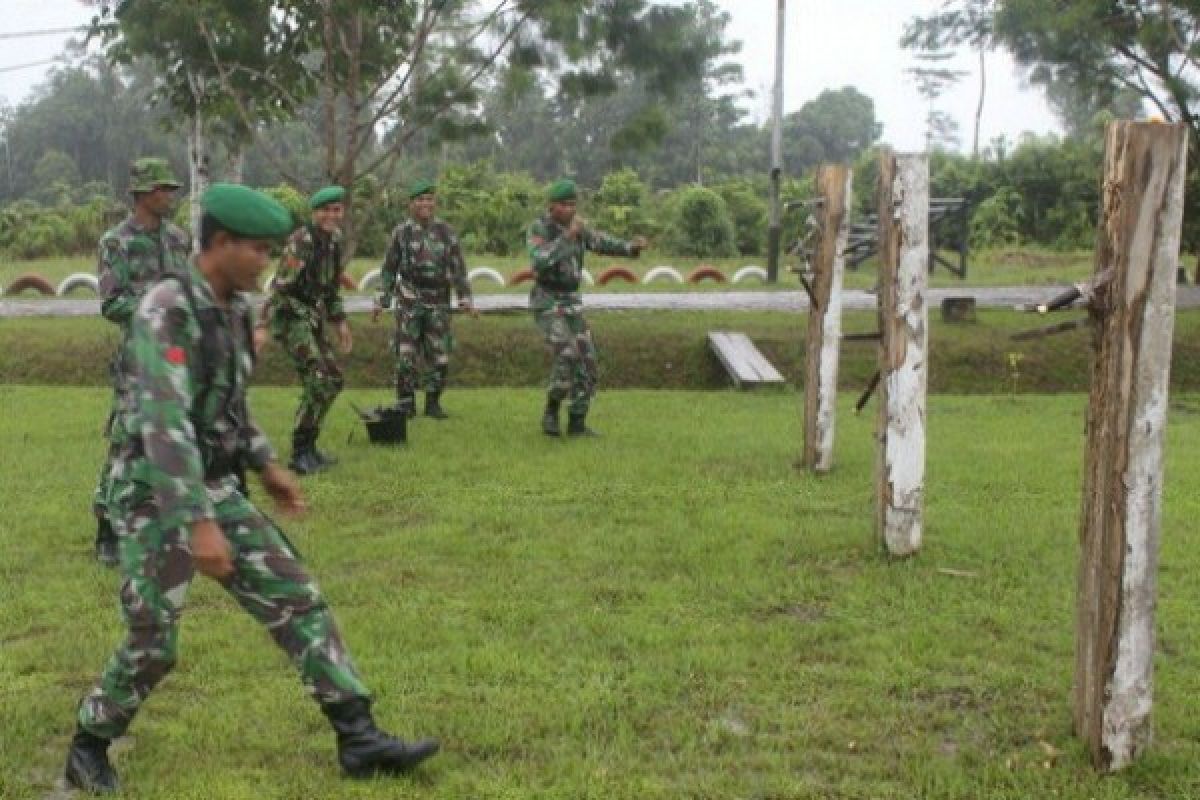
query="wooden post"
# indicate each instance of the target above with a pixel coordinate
(834, 188)
(903, 327)
(1140, 217)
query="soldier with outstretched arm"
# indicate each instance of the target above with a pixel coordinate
(557, 241)
(178, 509)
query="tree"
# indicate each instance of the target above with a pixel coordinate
(932, 79)
(836, 126)
(960, 22)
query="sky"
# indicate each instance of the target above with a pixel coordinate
(829, 44)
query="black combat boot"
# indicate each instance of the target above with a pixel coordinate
(106, 543)
(87, 764)
(433, 406)
(550, 418)
(324, 459)
(304, 455)
(577, 425)
(364, 750)
(407, 403)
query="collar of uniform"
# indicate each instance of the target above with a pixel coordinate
(204, 293)
(416, 223)
(137, 227)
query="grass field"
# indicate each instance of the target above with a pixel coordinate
(1015, 267)
(671, 611)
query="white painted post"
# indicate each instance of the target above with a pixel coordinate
(1133, 310)
(903, 328)
(835, 190)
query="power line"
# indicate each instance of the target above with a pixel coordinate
(45, 32)
(16, 67)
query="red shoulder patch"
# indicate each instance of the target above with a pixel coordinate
(176, 356)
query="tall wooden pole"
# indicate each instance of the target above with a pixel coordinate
(834, 189)
(903, 350)
(1133, 311)
(775, 226)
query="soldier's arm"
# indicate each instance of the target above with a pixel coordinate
(390, 270)
(117, 298)
(608, 245)
(165, 345)
(546, 252)
(458, 267)
(296, 253)
(333, 292)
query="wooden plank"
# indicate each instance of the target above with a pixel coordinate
(742, 360)
(1138, 240)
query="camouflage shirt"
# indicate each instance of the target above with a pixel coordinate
(309, 279)
(192, 360)
(423, 261)
(131, 259)
(558, 260)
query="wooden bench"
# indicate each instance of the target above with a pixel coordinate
(742, 360)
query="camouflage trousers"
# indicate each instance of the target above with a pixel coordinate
(269, 582)
(422, 346)
(313, 357)
(122, 398)
(569, 338)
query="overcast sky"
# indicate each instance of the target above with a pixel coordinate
(830, 44)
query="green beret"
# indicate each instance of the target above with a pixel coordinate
(148, 174)
(330, 194)
(421, 187)
(245, 212)
(561, 190)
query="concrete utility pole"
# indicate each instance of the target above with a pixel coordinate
(1133, 308)
(775, 230)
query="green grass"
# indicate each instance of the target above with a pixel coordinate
(1013, 267)
(655, 350)
(670, 611)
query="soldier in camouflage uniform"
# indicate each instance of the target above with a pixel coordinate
(557, 241)
(132, 256)
(423, 261)
(305, 302)
(178, 509)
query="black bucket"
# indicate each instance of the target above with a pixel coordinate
(385, 425)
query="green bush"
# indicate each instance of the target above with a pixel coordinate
(749, 212)
(700, 224)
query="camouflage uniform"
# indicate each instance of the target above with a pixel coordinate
(305, 301)
(557, 306)
(181, 440)
(421, 266)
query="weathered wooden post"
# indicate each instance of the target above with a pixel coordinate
(1133, 312)
(834, 190)
(903, 329)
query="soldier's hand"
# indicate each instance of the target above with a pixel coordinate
(260, 339)
(469, 307)
(346, 340)
(376, 310)
(211, 552)
(283, 488)
(575, 230)
(639, 243)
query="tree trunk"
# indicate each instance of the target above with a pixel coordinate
(903, 328)
(979, 108)
(834, 188)
(1138, 245)
(198, 171)
(237, 162)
